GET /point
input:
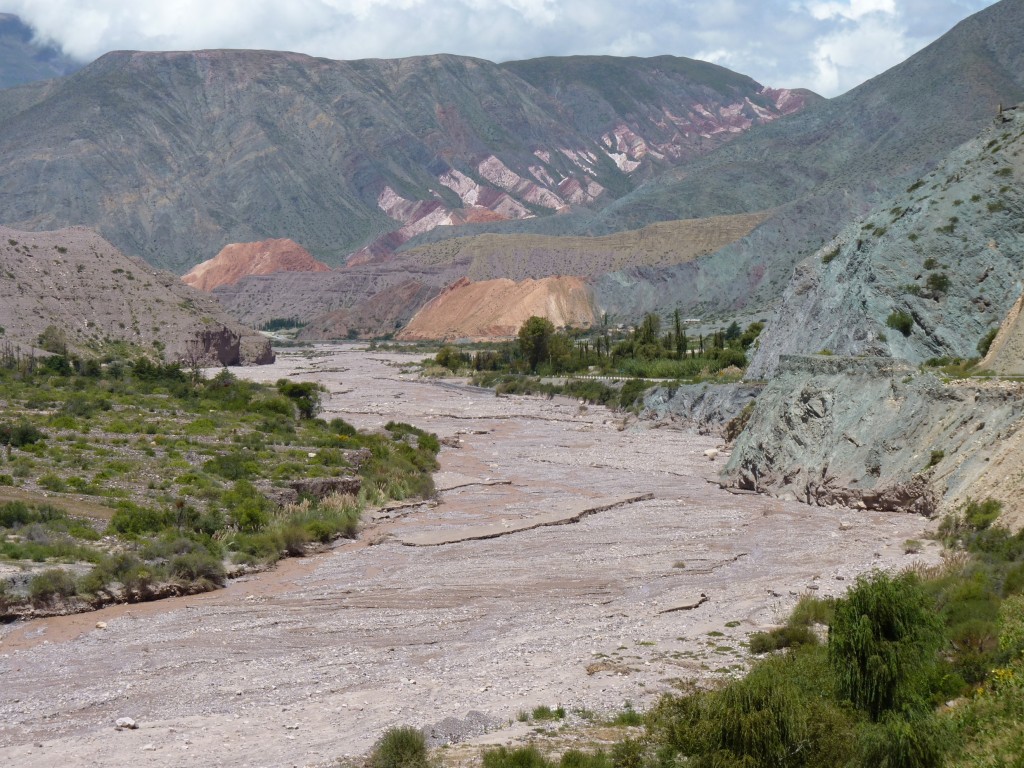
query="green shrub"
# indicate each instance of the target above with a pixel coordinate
(574, 758)
(760, 719)
(20, 434)
(139, 580)
(1013, 583)
(423, 440)
(1011, 626)
(519, 757)
(198, 568)
(628, 717)
(812, 610)
(938, 282)
(632, 391)
(294, 537)
(263, 547)
(900, 321)
(248, 509)
(986, 341)
(52, 482)
(16, 513)
(920, 741)
(305, 395)
(981, 514)
(884, 636)
(782, 637)
(49, 585)
(401, 747)
(544, 712)
(342, 427)
(274, 405)
(629, 753)
(237, 465)
(133, 520)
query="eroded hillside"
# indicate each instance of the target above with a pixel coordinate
(927, 274)
(498, 308)
(90, 295)
(239, 260)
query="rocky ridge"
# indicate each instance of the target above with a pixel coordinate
(91, 294)
(818, 170)
(948, 253)
(709, 409)
(924, 276)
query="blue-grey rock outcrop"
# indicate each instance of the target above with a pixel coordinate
(942, 261)
(877, 433)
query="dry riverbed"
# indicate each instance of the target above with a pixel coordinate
(566, 561)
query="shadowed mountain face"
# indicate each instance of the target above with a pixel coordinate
(173, 155)
(24, 61)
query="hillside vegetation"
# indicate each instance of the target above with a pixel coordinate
(128, 480)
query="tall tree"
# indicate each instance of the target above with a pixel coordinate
(535, 340)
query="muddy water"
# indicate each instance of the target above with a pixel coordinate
(313, 661)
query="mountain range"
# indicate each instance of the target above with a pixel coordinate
(171, 156)
(409, 175)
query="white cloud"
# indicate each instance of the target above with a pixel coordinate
(827, 45)
(850, 56)
(850, 9)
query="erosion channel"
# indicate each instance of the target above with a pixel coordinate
(567, 560)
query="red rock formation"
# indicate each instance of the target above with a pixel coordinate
(239, 260)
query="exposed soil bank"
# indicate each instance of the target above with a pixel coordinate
(313, 661)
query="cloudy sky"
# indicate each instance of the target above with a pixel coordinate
(826, 45)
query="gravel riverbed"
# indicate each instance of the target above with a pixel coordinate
(311, 662)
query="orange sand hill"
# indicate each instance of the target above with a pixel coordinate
(239, 260)
(497, 308)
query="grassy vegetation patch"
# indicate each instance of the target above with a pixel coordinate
(195, 474)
